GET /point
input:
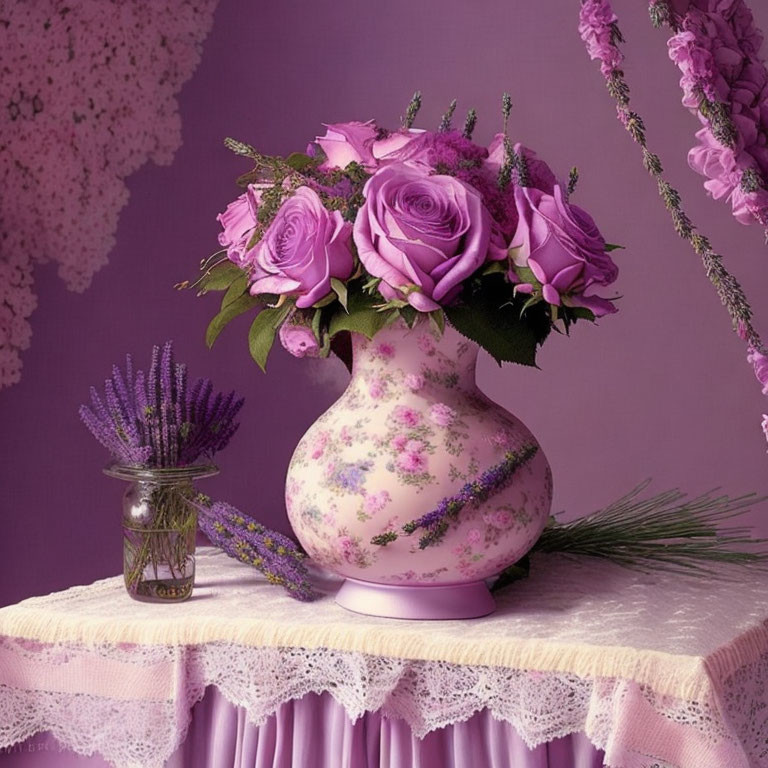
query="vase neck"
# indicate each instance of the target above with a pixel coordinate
(417, 356)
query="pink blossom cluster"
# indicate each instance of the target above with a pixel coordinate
(717, 50)
(597, 29)
(411, 456)
(90, 98)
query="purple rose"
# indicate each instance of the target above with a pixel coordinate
(390, 147)
(421, 234)
(563, 248)
(539, 173)
(299, 340)
(303, 248)
(346, 143)
(238, 222)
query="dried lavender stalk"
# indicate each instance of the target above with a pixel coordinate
(245, 539)
(437, 521)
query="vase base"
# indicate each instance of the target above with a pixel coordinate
(434, 601)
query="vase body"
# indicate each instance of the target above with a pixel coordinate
(409, 433)
(159, 529)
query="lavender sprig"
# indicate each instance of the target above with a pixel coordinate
(437, 521)
(155, 420)
(270, 552)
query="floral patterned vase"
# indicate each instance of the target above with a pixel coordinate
(413, 436)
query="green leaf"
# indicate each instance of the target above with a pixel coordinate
(263, 330)
(581, 313)
(238, 287)
(340, 289)
(220, 277)
(361, 316)
(299, 161)
(372, 285)
(329, 298)
(496, 326)
(316, 318)
(437, 320)
(613, 247)
(526, 275)
(409, 315)
(496, 267)
(230, 312)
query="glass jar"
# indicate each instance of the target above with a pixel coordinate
(159, 529)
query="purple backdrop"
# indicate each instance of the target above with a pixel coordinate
(661, 390)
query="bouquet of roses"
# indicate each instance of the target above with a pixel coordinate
(371, 226)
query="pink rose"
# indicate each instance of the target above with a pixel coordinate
(304, 247)
(398, 442)
(421, 234)
(561, 245)
(442, 415)
(386, 351)
(238, 223)
(412, 462)
(377, 388)
(414, 446)
(376, 502)
(299, 340)
(501, 518)
(474, 536)
(407, 416)
(346, 143)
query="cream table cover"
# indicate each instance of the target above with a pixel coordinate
(656, 669)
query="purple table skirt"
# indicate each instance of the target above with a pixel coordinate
(315, 732)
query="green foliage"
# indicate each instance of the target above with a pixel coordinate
(613, 247)
(497, 323)
(665, 532)
(236, 289)
(409, 315)
(340, 289)
(219, 277)
(361, 315)
(261, 337)
(437, 321)
(238, 306)
(299, 161)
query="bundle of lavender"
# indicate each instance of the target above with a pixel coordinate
(156, 419)
(276, 556)
(162, 435)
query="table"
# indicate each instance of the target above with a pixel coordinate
(652, 669)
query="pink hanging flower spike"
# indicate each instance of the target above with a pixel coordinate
(705, 83)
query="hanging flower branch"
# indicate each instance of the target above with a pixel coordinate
(91, 99)
(599, 30)
(716, 46)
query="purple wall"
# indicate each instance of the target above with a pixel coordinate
(659, 390)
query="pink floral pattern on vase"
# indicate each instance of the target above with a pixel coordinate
(91, 99)
(411, 429)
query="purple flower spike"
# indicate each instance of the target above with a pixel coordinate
(155, 419)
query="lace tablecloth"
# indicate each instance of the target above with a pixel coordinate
(657, 670)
